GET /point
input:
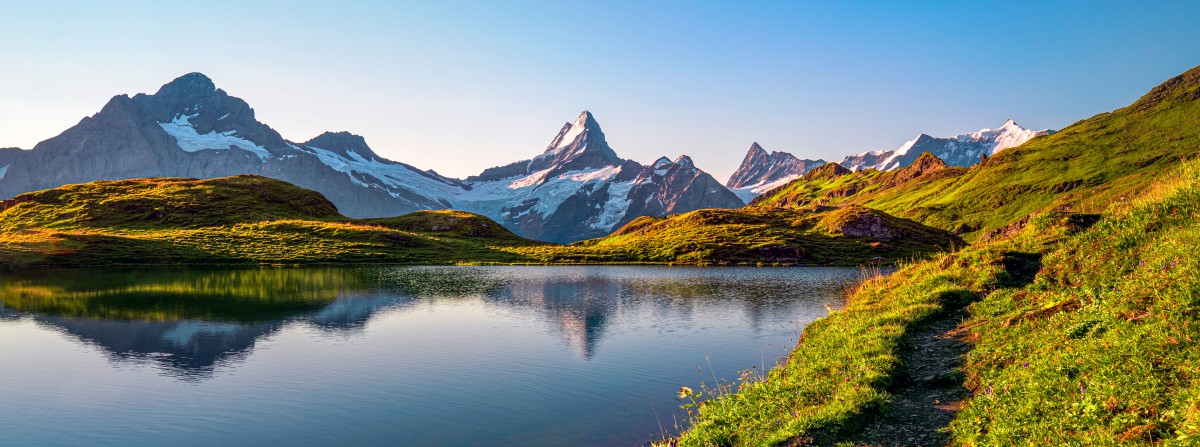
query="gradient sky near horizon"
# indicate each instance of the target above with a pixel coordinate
(462, 86)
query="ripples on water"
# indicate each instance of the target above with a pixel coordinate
(383, 355)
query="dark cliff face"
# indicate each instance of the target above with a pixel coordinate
(670, 187)
(759, 167)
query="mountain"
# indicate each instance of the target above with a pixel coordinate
(962, 150)
(760, 171)
(577, 189)
(190, 128)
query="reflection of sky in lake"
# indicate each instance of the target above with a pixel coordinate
(370, 356)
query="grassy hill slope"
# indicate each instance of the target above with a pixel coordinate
(759, 236)
(232, 220)
(1081, 331)
(1085, 167)
(1098, 349)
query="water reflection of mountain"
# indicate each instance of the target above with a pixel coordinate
(192, 322)
(582, 301)
(195, 349)
(185, 349)
(189, 322)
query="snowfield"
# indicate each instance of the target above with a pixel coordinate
(190, 141)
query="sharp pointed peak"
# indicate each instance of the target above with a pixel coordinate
(586, 119)
(1010, 124)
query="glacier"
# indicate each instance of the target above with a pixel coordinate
(190, 141)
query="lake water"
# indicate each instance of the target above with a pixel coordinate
(413, 356)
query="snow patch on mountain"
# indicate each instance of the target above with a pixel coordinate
(492, 198)
(748, 193)
(190, 141)
(4, 171)
(615, 207)
(1008, 135)
(572, 134)
(394, 175)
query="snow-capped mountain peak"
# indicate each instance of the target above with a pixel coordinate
(573, 131)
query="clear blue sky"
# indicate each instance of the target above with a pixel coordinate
(459, 87)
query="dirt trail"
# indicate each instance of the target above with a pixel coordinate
(929, 389)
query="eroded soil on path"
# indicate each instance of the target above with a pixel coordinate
(929, 389)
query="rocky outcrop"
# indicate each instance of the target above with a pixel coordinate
(867, 225)
(781, 253)
(860, 222)
(1006, 231)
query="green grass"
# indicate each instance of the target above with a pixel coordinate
(1100, 348)
(235, 220)
(1115, 359)
(840, 372)
(256, 220)
(751, 236)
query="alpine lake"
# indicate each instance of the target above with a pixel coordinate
(372, 356)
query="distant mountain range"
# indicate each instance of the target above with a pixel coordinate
(760, 172)
(576, 189)
(962, 150)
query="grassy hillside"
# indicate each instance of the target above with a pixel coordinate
(1098, 349)
(233, 220)
(1079, 322)
(759, 236)
(1084, 168)
(253, 220)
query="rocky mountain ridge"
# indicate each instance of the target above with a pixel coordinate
(578, 188)
(961, 150)
(761, 171)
